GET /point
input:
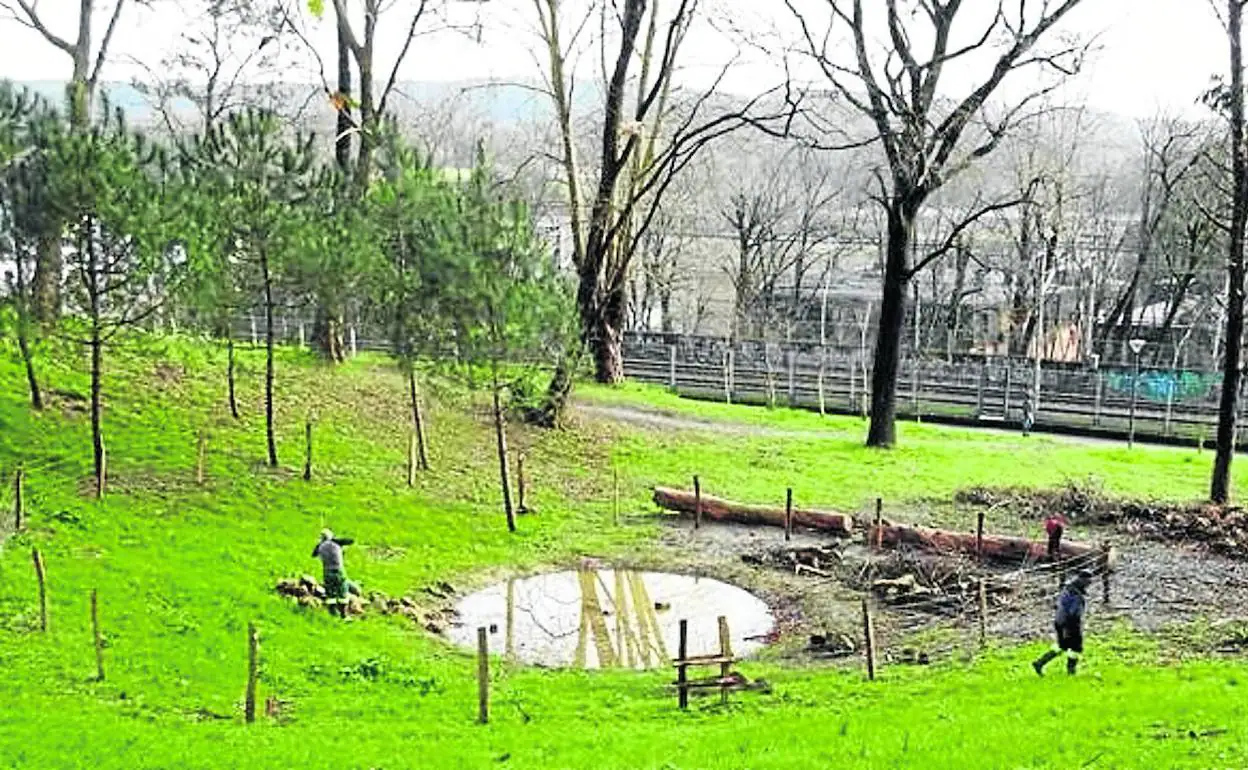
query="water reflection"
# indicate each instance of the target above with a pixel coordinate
(592, 618)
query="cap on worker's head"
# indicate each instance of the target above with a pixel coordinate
(327, 534)
(1083, 576)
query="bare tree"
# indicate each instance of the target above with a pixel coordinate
(88, 62)
(1231, 101)
(920, 131)
(641, 152)
(224, 47)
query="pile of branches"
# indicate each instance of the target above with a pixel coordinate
(1221, 530)
(1079, 503)
(309, 593)
(923, 581)
(818, 561)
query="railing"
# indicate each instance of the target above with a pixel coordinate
(1170, 405)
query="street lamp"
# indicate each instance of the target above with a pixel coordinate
(1137, 347)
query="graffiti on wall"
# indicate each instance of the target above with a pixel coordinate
(1164, 386)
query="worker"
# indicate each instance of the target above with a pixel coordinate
(1068, 623)
(1054, 526)
(1029, 415)
(329, 551)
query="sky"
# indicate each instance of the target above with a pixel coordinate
(1151, 55)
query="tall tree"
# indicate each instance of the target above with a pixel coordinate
(921, 132)
(261, 182)
(1231, 100)
(105, 185)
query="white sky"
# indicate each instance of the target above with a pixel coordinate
(1154, 53)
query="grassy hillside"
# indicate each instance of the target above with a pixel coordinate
(182, 569)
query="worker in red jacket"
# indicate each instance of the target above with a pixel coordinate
(1054, 525)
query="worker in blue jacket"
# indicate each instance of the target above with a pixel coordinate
(1068, 623)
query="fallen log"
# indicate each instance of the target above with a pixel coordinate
(995, 547)
(717, 509)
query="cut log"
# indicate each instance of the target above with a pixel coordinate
(995, 547)
(715, 509)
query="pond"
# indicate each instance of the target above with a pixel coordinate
(603, 618)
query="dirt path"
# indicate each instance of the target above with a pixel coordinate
(654, 418)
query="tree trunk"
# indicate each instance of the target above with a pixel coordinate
(717, 509)
(342, 141)
(269, 332)
(46, 291)
(1220, 486)
(558, 393)
(21, 293)
(608, 339)
(327, 334)
(23, 342)
(998, 547)
(229, 376)
(891, 328)
(418, 422)
(97, 359)
(500, 434)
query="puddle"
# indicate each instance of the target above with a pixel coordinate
(610, 618)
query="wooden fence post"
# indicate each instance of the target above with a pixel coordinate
(697, 503)
(725, 656)
(868, 632)
(411, 459)
(788, 514)
(200, 453)
(979, 535)
(354, 345)
(983, 613)
(682, 667)
(253, 673)
(615, 495)
(302, 339)
(1100, 390)
(915, 366)
(1009, 384)
(18, 511)
(99, 638)
(255, 337)
(671, 367)
(729, 363)
(483, 676)
(521, 507)
(42, 577)
(792, 364)
(879, 522)
(1105, 571)
(979, 388)
(101, 483)
(823, 365)
(307, 461)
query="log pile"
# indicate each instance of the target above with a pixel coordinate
(717, 509)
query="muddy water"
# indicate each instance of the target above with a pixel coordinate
(610, 618)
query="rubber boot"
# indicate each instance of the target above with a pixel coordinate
(1043, 661)
(1071, 665)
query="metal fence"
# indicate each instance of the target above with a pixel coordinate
(1160, 404)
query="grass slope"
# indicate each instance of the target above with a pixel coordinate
(182, 569)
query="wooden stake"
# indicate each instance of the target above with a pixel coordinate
(671, 367)
(307, 462)
(615, 494)
(354, 348)
(520, 507)
(788, 514)
(979, 535)
(253, 672)
(697, 503)
(725, 654)
(18, 512)
(682, 668)
(483, 676)
(868, 632)
(879, 522)
(411, 459)
(983, 613)
(101, 483)
(41, 575)
(199, 459)
(1105, 571)
(99, 637)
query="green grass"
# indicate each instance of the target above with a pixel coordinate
(833, 468)
(181, 570)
